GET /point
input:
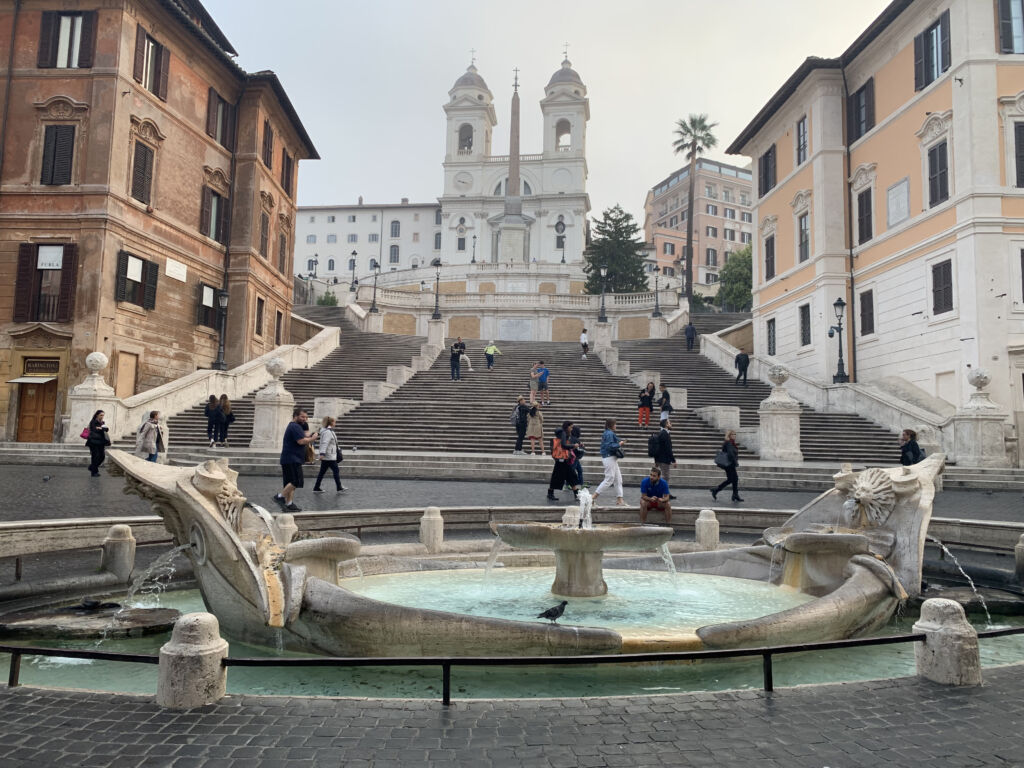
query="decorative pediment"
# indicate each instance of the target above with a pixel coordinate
(285, 221)
(802, 200)
(1012, 105)
(62, 108)
(40, 336)
(769, 225)
(216, 179)
(266, 200)
(863, 177)
(935, 126)
(146, 130)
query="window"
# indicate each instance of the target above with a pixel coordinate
(729, 234)
(332, 238)
(673, 221)
(373, 237)
(287, 172)
(712, 209)
(278, 327)
(766, 172)
(213, 214)
(312, 219)
(67, 40)
(460, 244)
(805, 325)
(206, 311)
(355, 238)
(1011, 26)
(938, 175)
(931, 52)
(669, 249)
(864, 226)
(860, 111)
(769, 257)
(260, 308)
(1018, 137)
(942, 287)
(330, 265)
(310, 266)
(282, 252)
(801, 140)
(744, 198)
(729, 213)
(415, 217)
(396, 228)
(46, 282)
(710, 278)
(152, 63)
(415, 237)
(393, 254)
(711, 231)
(709, 191)
(264, 234)
(769, 332)
(803, 228)
(746, 238)
(220, 120)
(711, 258)
(373, 217)
(142, 172)
(311, 239)
(58, 152)
(727, 195)
(351, 265)
(330, 219)
(268, 144)
(867, 313)
(560, 242)
(351, 218)
(746, 216)
(437, 217)
(437, 241)
(136, 280)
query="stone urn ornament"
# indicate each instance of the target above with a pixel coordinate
(94, 383)
(979, 400)
(779, 397)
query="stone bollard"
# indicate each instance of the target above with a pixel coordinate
(118, 555)
(432, 529)
(1018, 552)
(191, 673)
(707, 531)
(949, 655)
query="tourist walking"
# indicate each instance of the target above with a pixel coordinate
(910, 451)
(579, 450)
(742, 363)
(646, 402)
(691, 335)
(330, 455)
(214, 416)
(611, 452)
(728, 459)
(664, 403)
(465, 359)
(584, 343)
(456, 350)
(535, 429)
(97, 440)
(542, 374)
(150, 440)
(293, 456)
(227, 419)
(489, 352)
(520, 417)
(654, 494)
(561, 473)
(663, 456)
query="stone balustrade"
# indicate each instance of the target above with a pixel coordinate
(394, 298)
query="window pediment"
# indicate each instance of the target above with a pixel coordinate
(147, 130)
(935, 126)
(61, 108)
(768, 225)
(216, 179)
(863, 177)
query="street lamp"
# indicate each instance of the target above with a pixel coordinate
(657, 306)
(474, 250)
(352, 286)
(436, 263)
(602, 317)
(376, 271)
(839, 305)
(563, 251)
(222, 325)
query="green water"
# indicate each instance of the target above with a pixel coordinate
(495, 682)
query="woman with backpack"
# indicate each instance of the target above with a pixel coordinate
(150, 439)
(97, 442)
(227, 419)
(646, 400)
(611, 452)
(535, 429)
(728, 459)
(578, 452)
(330, 455)
(519, 417)
(213, 418)
(561, 474)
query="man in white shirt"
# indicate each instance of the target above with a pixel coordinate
(584, 343)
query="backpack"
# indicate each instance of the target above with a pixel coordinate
(653, 444)
(513, 418)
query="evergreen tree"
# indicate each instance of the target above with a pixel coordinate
(328, 299)
(735, 281)
(617, 247)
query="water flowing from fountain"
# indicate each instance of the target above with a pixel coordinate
(493, 557)
(667, 557)
(158, 574)
(970, 581)
(776, 548)
(586, 507)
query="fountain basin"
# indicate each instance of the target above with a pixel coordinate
(66, 622)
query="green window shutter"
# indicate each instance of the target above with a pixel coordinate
(68, 283)
(48, 28)
(151, 273)
(139, 66)
(121, 285)
(87, 43)
(24, 288)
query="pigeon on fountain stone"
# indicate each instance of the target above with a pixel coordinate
(553, 614)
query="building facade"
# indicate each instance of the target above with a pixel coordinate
(144, 175)
(722, 223)
(892, 177)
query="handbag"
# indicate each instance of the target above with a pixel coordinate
(85, 434)
(619, 453)
(722, 459)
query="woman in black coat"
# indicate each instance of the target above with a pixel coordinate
(910, 451)
(731, 476)
(97, 441)
(214, 419)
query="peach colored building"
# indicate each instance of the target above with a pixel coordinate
(722, 220)
(142, 174)
(893, 177)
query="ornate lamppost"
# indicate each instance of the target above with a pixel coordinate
(602, 317)
(222, 325)
(355, 283)
(657, 306)
(474, 250)
(839, 305)
(376, 271)
(316, 263)
(436, 263)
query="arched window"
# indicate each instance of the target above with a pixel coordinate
(415, 262)
(465, 137)
(309, 265)
(503, 185)
(330, 265)
(351, 264)
(437, 241)
(396, 228)
(393, 254)
(437, 217)
(563, 135)
(373, 264)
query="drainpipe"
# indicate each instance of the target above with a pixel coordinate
(7, 89)
(232, 186)
(852, 324)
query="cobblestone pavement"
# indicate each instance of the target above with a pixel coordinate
(69, 492)
(893, 723)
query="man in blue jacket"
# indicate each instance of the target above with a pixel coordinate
(654, 495)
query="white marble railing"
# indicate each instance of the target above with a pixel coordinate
(505, 158)
(388, 297)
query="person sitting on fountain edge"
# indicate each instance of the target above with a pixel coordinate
(654, 495)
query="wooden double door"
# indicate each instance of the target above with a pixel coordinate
(37, 405)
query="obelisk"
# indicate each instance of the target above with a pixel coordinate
(512, 230)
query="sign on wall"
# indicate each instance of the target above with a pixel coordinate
(41, 366)
(176, 270)
(897, 200)
(50, 257)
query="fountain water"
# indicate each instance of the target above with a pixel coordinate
(492, 558)
(970, 581)
(157, 575)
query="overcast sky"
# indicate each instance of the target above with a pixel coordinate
(369, 78)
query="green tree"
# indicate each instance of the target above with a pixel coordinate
(327, 300)
(616, 246)
(735, 281)
(694, 137)
(700, 303)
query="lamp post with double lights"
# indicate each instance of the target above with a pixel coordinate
(657, 306)
(222, 325)
(436, 264)
(839, 305)
(602, 317)
(355, 283)
(474, 251)
(376, 271)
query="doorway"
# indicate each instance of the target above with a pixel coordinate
(127, 369)
(37, 404)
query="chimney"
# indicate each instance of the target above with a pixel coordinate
(360, 199)
(405, 201)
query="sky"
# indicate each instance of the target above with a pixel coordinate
(368, 79)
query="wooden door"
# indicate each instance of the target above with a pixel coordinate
(127, 368)
(37, 404)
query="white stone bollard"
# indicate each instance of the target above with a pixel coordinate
(272, 409)
(707, 531)
(118, 555)
(432, 529)
(1018, 552)
(191, 673)
(949, 655)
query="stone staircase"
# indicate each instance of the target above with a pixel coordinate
(831, 437)
(713, 322)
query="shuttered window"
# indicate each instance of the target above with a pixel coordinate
(1011, 26)
(770, 334)
(152, 63)
(867, 313)
(766, 171)
(282, 253)
(213, 215)
(66, 40)
(142, 173)
(931, 52)
(268, 144)
(865, 226)
(58, 153)
(278, 328)
(801, 140)
(938, 174)
(860, 111)
(264, 235)
(45, 285)
(942, 287)
(803, 243)
(136, 280)
(1018, 141)
(260, 308)
(769, 257)
(206, 306)
(287, 171)
(805, 325)
(220, 120)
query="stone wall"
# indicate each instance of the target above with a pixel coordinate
(546, 288)
(566, 328)
(741, 338)
(487, 287)
(634, 328)
(453, 287)
(466, 326)
(398, 322)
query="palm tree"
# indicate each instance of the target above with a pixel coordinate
(694, 137)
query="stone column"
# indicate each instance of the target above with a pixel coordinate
(949, 654)
(118, 556)
(978, 427)
(93, 394)
(191, 673)
(432, 529)
(707, 531)
(779, 432)
(273, 409)
(602, 335)
(435, 333)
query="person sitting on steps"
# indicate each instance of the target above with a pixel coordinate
(654, 495)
